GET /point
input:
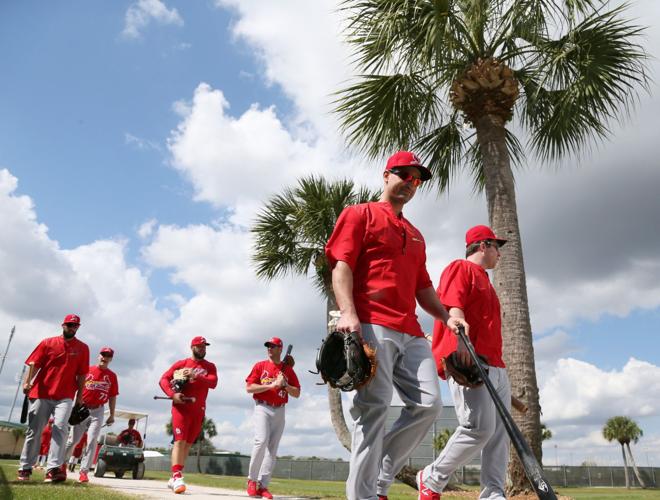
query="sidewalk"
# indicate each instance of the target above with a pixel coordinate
(158, 489)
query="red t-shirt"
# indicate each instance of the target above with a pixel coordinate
(60, 362)
(130, 437)
(100, 385)
(264, 372)
(466, 285)
(387, 255)
(206, 378)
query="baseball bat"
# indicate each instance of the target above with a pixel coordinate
(187, 399)
(288, 350)
(26, 400)
(532, 468)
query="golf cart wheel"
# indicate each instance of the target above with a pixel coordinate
(119, 474)
(138, 470)
(100, 468)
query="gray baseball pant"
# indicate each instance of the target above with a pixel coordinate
(405, 363)
(268, 426)
(480, 429)
(92, 425)
(39, 412)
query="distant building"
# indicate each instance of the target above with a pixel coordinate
(12, 436)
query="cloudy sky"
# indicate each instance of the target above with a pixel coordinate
(138, 139)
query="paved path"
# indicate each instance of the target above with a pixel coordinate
(158, 489)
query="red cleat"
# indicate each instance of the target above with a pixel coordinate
(264, 493)
(82, 477)
(252, 488)
(425, 493)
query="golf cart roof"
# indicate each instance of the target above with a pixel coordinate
(128, 414)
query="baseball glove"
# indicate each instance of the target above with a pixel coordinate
(79, 414)
(467, 376)
(345, 361)
(178, 381)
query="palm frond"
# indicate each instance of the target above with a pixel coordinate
(385, 111)
(581, 82)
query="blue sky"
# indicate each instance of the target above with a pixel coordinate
(139, 138)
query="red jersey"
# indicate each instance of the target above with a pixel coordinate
(466, 285)
(131, 437)
(61, 361)
(100, 385)
(206, 378)
(264, 372)
(387, 255)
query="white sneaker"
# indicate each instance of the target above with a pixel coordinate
(170, 482)
(178, 486)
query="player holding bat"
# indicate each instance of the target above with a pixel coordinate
(187, 382)
(465, 290)
(55, 377)
(270, 382)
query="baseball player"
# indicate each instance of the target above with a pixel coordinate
(271, 382)
(466, 291)
(62, 363)
(77, 453)
(100, 387)
(44, 446)
(130, 436)
(187, 382)
(378, 261)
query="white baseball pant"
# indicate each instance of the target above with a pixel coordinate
(268, 429)
(92, 425)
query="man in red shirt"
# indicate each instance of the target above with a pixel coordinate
(378, 261)
(466, 292)
(130, 436)
(60, 365)
(271, 382)
(100, 387)
(187, 382)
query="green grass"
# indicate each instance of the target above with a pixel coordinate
(36, 489)
(327, 490)
(610, 493)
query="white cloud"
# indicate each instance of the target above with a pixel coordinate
(141, 13)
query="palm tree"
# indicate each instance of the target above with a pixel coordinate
(444, 77)
(207, 433)
(290, 236)
(624, 430)
(545, 433)
(441, 438)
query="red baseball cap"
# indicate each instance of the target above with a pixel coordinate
(276, 341)
(71, 318)
(107, 350)
(408, 159)
(198, 341)
(481, 233)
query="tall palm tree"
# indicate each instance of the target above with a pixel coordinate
(624, 430)
(290, 235)
(444, 77)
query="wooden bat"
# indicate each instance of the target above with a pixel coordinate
(532, 468)
(187, 399)
(26, 400)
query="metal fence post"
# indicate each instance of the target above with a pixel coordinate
(589, 475)
(612, 477)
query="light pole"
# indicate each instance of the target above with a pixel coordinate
(11, 336)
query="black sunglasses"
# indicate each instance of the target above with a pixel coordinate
(407, 177)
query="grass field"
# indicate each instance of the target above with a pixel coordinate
(327, 490)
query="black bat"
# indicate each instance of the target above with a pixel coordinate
(187, 399)
(532, 468)
(26, 400)
(288, 351)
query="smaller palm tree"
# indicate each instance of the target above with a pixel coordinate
(441, 438)
(545, 433)
(204, 439)
(624, 430)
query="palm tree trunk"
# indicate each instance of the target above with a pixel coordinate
(510, 283)
(634, 466)
(625, 466)
(334, 395)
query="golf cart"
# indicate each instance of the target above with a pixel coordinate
(122, 457)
